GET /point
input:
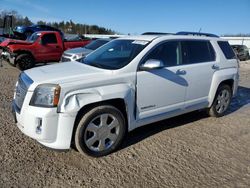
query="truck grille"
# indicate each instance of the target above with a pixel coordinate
(21, 89)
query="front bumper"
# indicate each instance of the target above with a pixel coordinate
(51, 129)
(9, 57)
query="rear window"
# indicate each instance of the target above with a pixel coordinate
(197, 52)
(226, 49)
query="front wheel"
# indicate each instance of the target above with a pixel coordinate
(24, 61)
(221, 102)
(100, 131)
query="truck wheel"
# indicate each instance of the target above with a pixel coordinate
(24, 61)
(221, 102)
(100, 131)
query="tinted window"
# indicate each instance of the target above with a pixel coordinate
(197, 52)
(168, 53)
(49, 38)
(226, 49)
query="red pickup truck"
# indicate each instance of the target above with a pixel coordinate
(41, 47)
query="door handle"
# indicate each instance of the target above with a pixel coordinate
(216, 67)
(180, 72)
(57, 46)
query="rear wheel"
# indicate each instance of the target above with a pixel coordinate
(100, 131)
(221, 102)
(24, 61)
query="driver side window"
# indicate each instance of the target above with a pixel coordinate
(167, 52)
(49, 38)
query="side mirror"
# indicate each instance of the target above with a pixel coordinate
(152, 64)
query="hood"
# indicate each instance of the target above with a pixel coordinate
(12, 41)
(61, 73)
(78, 51)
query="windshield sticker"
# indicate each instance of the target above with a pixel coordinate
(141, 42)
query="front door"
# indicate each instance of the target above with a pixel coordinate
(49, 49)
(161, 91)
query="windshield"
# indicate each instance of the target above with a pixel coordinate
(116, 54)
(95, 44)
(33, 37)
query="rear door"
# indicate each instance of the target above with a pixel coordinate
(49, 49)
(199, 59)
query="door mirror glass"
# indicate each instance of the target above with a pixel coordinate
(152, 64)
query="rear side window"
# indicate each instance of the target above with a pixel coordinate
(226, 49)
(197, 52)
(49, 38)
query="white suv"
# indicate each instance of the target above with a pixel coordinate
(125, 84)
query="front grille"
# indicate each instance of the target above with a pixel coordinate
(64, 59)
(21, 89)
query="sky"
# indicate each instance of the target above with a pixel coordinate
(138, 16)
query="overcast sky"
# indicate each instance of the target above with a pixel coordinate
(138, 16)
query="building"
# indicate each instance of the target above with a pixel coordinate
(239, 40)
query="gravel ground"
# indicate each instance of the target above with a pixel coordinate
(191, 150)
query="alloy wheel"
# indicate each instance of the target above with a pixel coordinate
(102, 132)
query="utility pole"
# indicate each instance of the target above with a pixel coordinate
(1, 61)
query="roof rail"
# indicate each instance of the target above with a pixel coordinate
(156, 33)
(197, 34)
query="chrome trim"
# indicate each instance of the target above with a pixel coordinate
(21, 90)
(68, 55)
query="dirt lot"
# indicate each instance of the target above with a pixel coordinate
(192, 150)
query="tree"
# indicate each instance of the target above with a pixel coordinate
(67, 27)
(26, 21)
(40, 22)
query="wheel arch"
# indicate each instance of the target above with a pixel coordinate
(118, 103)
(21, 52)
(228, 77)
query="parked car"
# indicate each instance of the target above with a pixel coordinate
(43, 46)
(125, 84)
(241, 51)
(29, 30)
(76, 54)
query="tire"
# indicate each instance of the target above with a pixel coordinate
(221, 101)
(94, 129)
(24, 61)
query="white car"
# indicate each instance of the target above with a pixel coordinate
(125, 84)
(76, 54)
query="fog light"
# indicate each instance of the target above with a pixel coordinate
(39, 126)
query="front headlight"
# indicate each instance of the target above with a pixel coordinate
(46, 95)
(77, 56)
